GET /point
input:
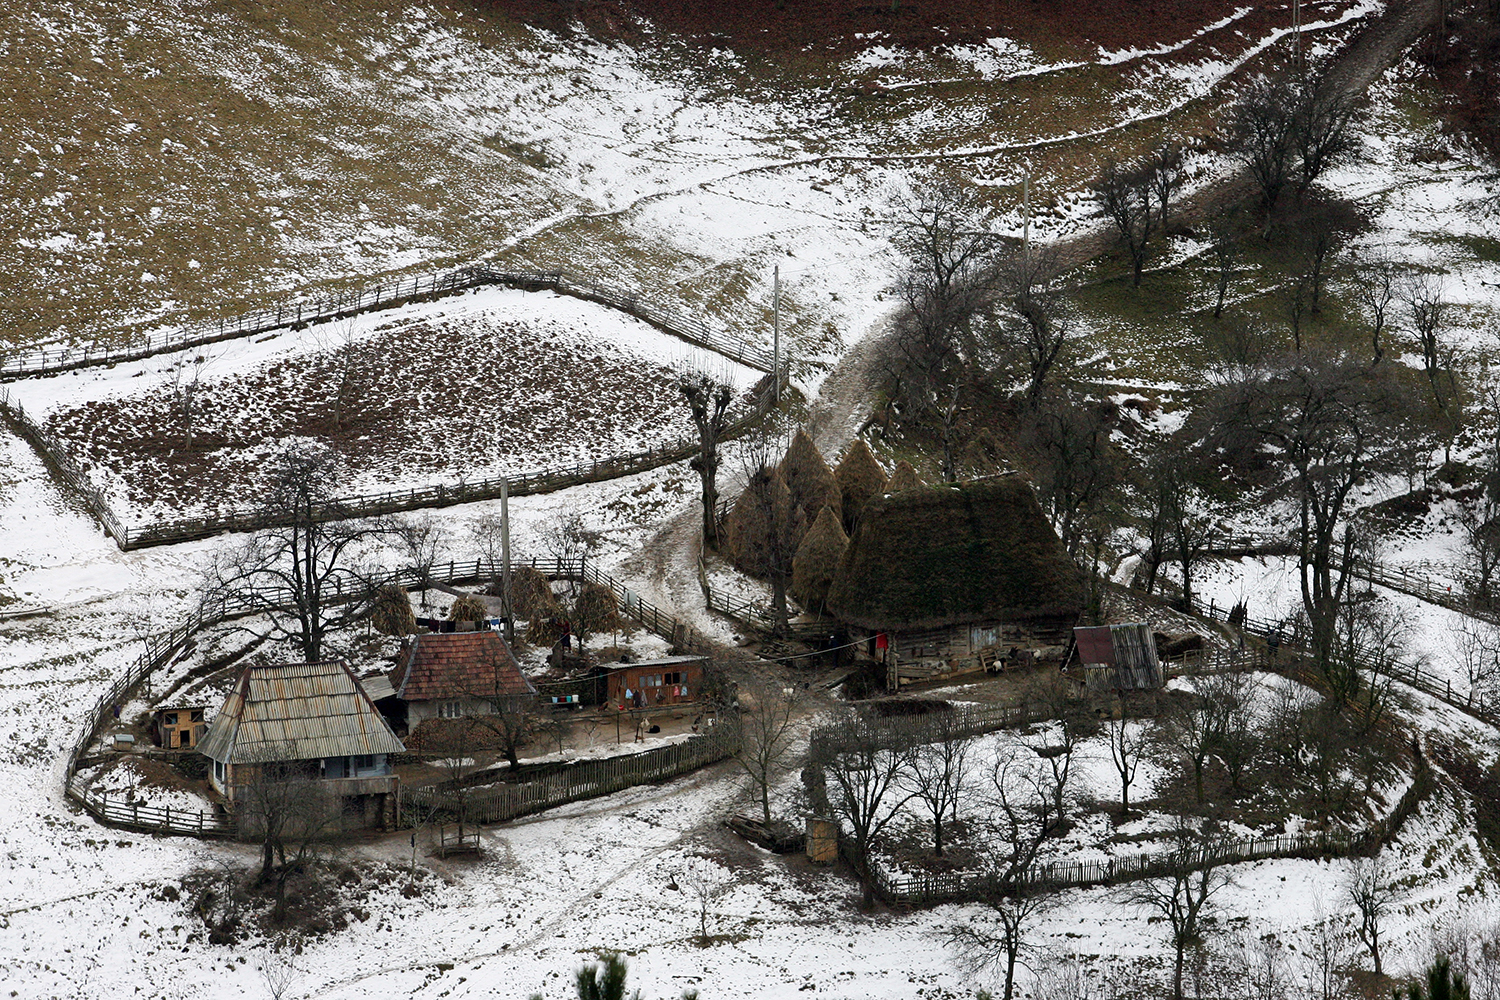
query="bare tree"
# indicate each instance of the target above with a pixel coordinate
(1325, 422)
(1368, 888)
(1427, 310)
(1185, 894)
(1193, 724)
(936, 771)
(1127, 744)
(1262, 136)
(766, 736)
(706, 881)
(708, 401)
(1326, 953)
(1165, 166)
(420, 537)
(279, 966)
(340, 341)
(1224, 245)
(1040, 329)
(303, 569)
(1322, 129)
(1126, 194)
(1073, 460)
(1238, 742)
(997, 940)
(279, 802)
(186, 388)
(942, 233)
(866, 765)
(1375, 289)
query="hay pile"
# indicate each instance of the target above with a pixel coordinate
(903, 478)
(859, 477)
(761, 526)
(391, 613)
(817, 562)
(955, 554)
(810, 482)
(531, 595)
(468, 608)
(596, 611)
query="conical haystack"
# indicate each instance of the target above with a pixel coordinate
(468, 608)
(392, 613)
(859, 477)
(810, 481)
(531, 595)
(817, 562)
(760, 529)
(903, 477)
(596, 611)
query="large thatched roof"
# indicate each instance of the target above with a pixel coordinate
(954, 554)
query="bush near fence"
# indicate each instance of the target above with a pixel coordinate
(163, 647)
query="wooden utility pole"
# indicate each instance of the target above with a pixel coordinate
(1297, 35)
(1026, 212)
(776, 335)
(505, 607)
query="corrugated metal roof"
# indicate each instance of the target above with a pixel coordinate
(297, 711)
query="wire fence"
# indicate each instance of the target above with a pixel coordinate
(162, 648)
(382, 294)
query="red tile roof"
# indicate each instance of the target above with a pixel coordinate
(458, 665)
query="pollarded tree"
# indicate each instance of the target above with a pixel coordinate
(302, 568)
(708, 401)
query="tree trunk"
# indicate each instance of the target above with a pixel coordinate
(937, 837)
(1177, 972)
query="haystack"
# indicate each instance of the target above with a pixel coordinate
(391, 613)
(761, 527)
(810, 481)
(859, 477)
(531, 595)
(955, 554)
(596, 611)
(903, 477)
(817, 562)
(468, 608)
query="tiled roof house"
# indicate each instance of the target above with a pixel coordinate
(457, 674)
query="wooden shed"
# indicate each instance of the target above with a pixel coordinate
(671, 680)
(179, 727)
(1119, 657)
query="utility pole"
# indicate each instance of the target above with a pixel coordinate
(776, 335)
(1297, 36)
(1026, 212)
(505, 608)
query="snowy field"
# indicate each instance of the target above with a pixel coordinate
(719, 188)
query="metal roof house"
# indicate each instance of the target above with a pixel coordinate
(313, 715)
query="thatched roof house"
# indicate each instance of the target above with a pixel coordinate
(947, 573)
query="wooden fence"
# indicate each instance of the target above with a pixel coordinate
(383, 295)
(55, 454)
(585, 780)
(160, 650)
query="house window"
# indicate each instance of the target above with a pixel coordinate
(450, 709)
(219, 771)
(198, 715)
(170, 718)
(364, 762)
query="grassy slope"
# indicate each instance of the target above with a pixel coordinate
(199, 157)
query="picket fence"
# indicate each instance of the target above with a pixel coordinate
(160, 649)
(382, 294)
(584, 780)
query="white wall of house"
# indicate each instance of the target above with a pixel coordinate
(450, 708)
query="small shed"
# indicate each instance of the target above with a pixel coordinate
(179, 727)
(671, 680)
(1119, 657)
